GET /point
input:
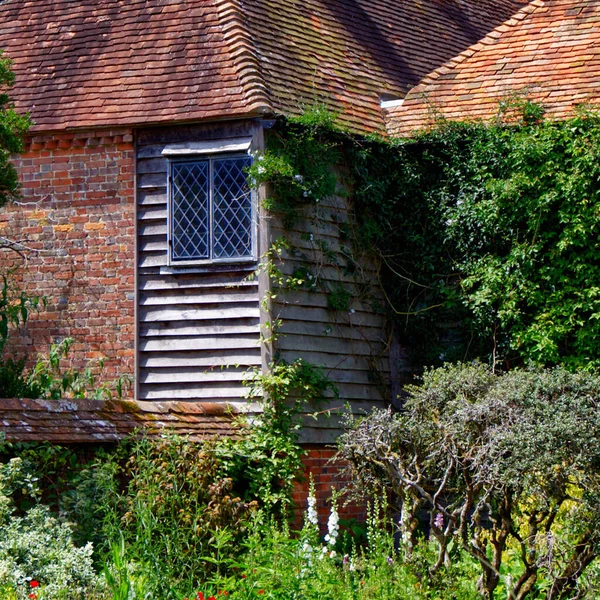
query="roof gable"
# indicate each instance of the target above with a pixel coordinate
(134, 62)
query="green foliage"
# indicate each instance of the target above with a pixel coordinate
(266, 460)
(12, 129)
(506, 467)
(488, 232)
(278, 565)
(177, 499)
(299, 164)
(35, 546)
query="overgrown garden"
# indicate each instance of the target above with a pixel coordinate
(485, 484)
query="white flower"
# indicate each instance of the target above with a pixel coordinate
(351, 311)
(298, 178)
(261, 170)
(333, 527)
(311, 513)
(332, 554)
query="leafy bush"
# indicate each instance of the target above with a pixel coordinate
(507, 467)
(36, 547)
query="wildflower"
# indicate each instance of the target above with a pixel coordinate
(305, 194)
(261, 170)
(33, 596)
(390, 561)
(34, 583)
(346, 559)
(298, 178)
(333, 526)
(332, 554)
(261, 591)
(311, 513)
(439, 520)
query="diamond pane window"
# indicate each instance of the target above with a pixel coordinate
(190, 222)
(211, 210)
(232, 209)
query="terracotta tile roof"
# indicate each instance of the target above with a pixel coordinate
(133, 62)
(73, 421)
(548, 52)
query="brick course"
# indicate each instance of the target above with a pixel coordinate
(77, 219)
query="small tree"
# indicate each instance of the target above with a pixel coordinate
(501, 464)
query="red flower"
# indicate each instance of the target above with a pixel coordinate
(34, 583)
(261, 591)
(33, 596)
(200, 596)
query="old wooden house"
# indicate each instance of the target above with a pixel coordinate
(139, 224)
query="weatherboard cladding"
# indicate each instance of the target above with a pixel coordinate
(198, 331)
(349, 342)
(549, 52)
(137, 62)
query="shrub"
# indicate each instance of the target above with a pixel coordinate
(36, 547)
(505, 466)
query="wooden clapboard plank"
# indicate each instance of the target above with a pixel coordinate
(153, 214)
(210, 358)
(150, 151)
(152, 181)
(197, 281)
(152, 229)
(191, 391)
(340, 331)
(237, 326)
(198, 343)
(192, 313)
(155, 243)
(151, 197)
(322, 315)
(327, 361)
(179, 375)
(317, 299)
(157, 164)
(147, 259)
(195, 296)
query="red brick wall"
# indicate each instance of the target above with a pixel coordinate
(327, 474)
(77, 218)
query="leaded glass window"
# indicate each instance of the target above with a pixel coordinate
(211, 210)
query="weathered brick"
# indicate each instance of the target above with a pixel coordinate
(68, 213)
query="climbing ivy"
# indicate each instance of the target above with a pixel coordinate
(489, 234)
(485, 232)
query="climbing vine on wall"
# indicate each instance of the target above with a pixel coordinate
(315, 255)
(485, 233)
(489, 234)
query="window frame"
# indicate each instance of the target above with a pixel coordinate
(195, 152)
